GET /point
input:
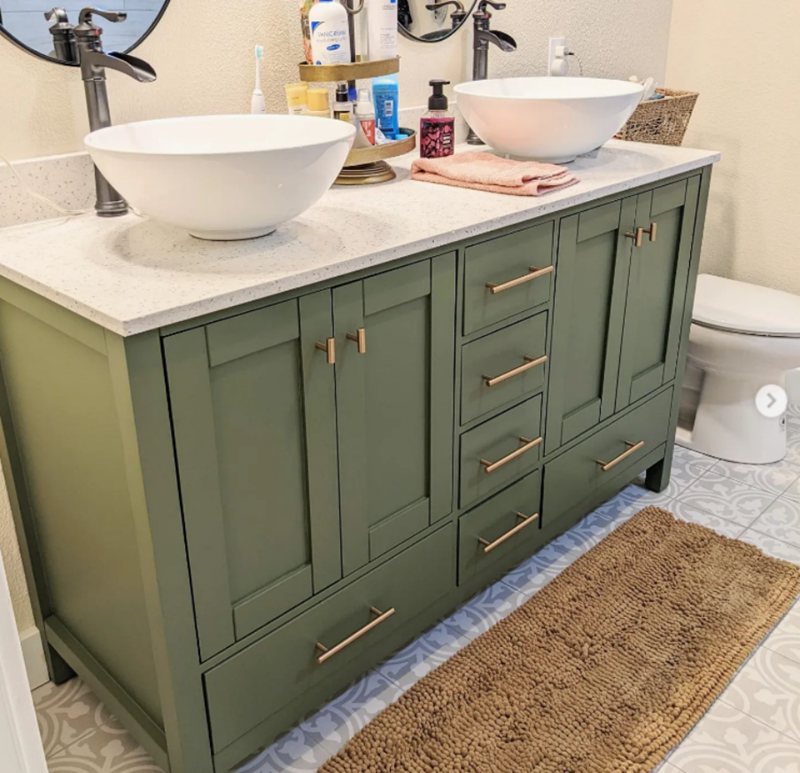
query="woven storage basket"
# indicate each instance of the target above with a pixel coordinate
(662, 121)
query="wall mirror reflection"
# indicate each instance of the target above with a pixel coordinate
(45, 30)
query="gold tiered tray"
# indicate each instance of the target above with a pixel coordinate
(364, 166)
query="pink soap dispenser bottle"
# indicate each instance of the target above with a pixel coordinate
(437, 126)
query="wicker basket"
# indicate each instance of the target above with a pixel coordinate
(662, 121)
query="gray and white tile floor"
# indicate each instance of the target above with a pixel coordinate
(754, 727)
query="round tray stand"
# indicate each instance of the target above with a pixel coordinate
(363, 166)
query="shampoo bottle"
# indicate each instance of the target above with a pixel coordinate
(330, 34)
(437, 126)
(382, 28)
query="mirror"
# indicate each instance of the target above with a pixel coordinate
(45, 31)
(429, 21)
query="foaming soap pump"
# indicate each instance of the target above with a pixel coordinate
(437, 126)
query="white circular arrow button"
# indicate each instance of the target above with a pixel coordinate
(772, 401)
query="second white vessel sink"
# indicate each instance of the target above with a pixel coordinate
(547, 119)
(223, 176)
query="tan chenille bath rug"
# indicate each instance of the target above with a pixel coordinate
(605, 669)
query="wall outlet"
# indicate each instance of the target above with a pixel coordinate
(556, 60)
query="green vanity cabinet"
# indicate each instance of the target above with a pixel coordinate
(394, 392)
(621, 282)
(254, 420)
(257, 402)
(657, 289)
(227, 520)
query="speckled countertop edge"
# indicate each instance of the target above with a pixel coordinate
(131, 275)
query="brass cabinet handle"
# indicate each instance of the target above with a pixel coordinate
(529, 445)
(530, 362)
(533, 273)
(652, 231)
(329, 347)
(637, 236)
(327, 654)
(632, 449)
(360, 337)
(527, 520)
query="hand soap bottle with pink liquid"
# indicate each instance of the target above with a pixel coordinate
(437, 126)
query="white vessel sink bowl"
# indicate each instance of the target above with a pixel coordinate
(548, 119)
(223, 176)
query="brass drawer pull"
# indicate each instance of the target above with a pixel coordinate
(652, 231)
(329, 347)
(530, 362)
(637, 236)
(360, 338)
(533, 273)
(327, 654)
(632, 449)
(527, 520)
(529, 445)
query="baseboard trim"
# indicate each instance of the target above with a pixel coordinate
(33, 655)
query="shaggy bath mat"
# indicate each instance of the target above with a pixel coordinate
(605, 669)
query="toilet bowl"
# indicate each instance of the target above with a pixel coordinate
(742, 341)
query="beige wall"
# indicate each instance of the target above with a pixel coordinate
(742, 58)
(204, 63)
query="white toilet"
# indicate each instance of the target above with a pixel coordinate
(743, 339)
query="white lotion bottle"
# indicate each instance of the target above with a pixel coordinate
(330, 34)
(382, 29)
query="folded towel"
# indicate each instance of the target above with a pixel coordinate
(488, 172)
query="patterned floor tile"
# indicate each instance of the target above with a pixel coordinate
(794, 490)
(768, 688)
(728, 741)
(689, 512)
(785, 639)
(692, 462)
(96, 753)
(781, 520)
(65, 713)
(307, 746)
(728, 498)
(773, 478)
(771, 546)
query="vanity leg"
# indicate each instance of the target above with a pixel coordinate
(60, 672)
(657, 477)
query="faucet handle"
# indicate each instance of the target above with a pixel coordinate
(57, 16)
(483, 3)
(86, 14)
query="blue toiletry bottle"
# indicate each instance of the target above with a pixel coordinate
(385, 95)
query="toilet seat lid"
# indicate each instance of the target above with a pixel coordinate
(740, 307)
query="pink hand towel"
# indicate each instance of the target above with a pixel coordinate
(488, 172)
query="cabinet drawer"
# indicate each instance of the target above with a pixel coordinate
(283, 666)
(491, 293)
(500, 533)
(503, 367)
(620, 446)
(500, 451)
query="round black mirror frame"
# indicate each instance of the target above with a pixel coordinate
(450, 32)
(39, 55)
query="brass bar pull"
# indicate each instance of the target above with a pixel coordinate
(652, 231)
(527, 520)
(533, 273)
(327, 654)
(632, 449)
(529, 445)
(329, 347)
(360, 337)
(637, 236)
(530, 362)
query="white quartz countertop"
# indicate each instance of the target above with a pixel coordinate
(131, 274)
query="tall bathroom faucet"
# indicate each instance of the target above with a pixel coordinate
(94, 62)
(483, 37)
